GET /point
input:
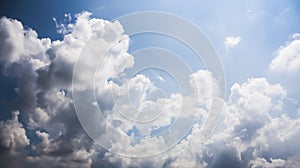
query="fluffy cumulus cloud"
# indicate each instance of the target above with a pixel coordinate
(288, 57)
(45, 130)
(13, 134)
(231, 41)
(39, 126)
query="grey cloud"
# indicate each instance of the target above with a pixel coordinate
(225, 158)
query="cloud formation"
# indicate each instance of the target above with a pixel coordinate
(288, 57)
(41, 127)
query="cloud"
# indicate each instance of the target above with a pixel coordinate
(42, 71)
(13, 135)
(231, 41)
(16, 42)
(248, 136)
(65, 26)
(288, 57)
(242, 139)
(44, 130)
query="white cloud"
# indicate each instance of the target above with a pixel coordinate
(12, 134)
(38, 118)
(296, 36)
(17, 43)
(256, 96)
(249, 134)
(288, 57)
(231, 41)
(43, 73)
(261, 162)
(239, 140)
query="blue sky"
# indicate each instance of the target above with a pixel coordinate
(257, 42)
(263, 25)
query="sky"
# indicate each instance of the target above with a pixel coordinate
(78, 90)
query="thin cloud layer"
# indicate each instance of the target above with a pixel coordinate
(41, 127)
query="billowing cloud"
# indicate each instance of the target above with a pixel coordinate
(13, 135)
(44, 130)
(288, 57)
(42, 71)
(249, 136)
(231, 41)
